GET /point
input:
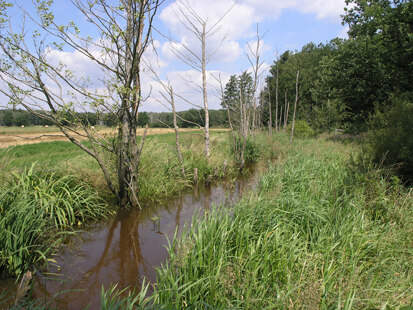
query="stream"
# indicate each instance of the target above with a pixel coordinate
(127, 248)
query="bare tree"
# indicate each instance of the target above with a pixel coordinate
(256, 64)
(202, 30)
(270, 112)
(170, 98)
(295, 107)
(286, 111)
(53, 91)
(276, 96)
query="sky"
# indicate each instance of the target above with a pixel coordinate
(282, 24)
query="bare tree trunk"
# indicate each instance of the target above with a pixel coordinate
(276, 102)
(280, 120)
(204, 91)
(287, 108)
(295, 107)
(178, 146)
(254, 109)
(270, 113)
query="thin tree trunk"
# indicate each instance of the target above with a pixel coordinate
(204, 91)
(280, 120)
(270, 113)
(276, 102)
(295, 107)
(253, 115)
(287, 108)
(178, 147)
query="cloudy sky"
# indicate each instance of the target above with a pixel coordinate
(284, 25)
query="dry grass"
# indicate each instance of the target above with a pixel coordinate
(11, 136)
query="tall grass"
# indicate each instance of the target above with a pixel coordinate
(308, 238)
(38, 210)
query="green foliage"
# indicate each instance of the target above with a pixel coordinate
(306, 238)
(391, 136)
(143, 119)
(114, 299)
(32, 207)
(238, 92)
(302, 129)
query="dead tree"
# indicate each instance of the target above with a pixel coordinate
(53, 91)
(202, 31)
(276, 97)
(295, 107)
(270, 112)
(170, 98)
(256, 64)
(286, 111)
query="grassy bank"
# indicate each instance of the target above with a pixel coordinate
(160, 174)
(37, 211)
(41, 204)
(320, 232)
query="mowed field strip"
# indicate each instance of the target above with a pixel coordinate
(12, 136)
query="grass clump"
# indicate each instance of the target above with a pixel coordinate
(37, 210)
(306, 239)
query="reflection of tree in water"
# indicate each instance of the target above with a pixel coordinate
(122, 261)
(129, 259)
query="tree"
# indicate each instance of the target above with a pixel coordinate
(31, 79)
(8, 118)
(202, 30)
(143, 119)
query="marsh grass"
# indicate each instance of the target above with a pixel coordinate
(37, 211)
(318, 233)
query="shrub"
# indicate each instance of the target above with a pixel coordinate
(302, 129)
(391, 137)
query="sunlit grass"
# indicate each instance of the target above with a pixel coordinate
(37, 211)
(306, 239)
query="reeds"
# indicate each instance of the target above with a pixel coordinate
(307, 238)
(37, 211)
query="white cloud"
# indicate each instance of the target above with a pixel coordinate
(330, 9)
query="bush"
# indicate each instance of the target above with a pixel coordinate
(302, 129)
(391, 137)
(251, 152)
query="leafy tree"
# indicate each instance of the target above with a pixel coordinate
(8, 118)
(123, 33)
(238, 91)
(143, 119)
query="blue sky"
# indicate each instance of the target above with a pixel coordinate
(288, 25)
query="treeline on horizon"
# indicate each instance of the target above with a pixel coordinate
(186, 119)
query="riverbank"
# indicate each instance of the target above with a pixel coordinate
(321, 231)
(55, 191)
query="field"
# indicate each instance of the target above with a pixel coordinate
(12, 136)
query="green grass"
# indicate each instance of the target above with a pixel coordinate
(160, 174)
(38, 210)
(319, 233)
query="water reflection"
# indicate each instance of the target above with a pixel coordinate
(126, 249)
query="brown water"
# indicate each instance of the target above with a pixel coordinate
(126, 249)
